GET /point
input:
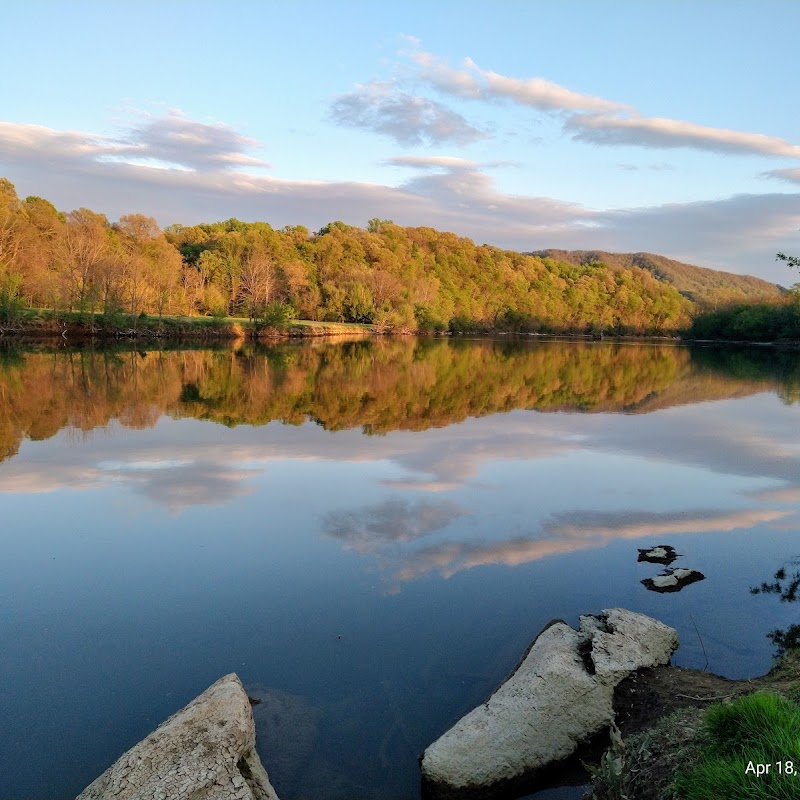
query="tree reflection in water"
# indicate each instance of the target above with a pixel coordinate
(378, 385)
(786, 587)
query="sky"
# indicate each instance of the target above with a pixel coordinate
(667, 127)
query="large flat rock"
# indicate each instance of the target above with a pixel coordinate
(204, 752)
(558, 697)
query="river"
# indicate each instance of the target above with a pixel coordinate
(369, 533)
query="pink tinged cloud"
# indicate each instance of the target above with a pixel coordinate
(450, 558)
(661, 132)
(475, 83)
(605, 122)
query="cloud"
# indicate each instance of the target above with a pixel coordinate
(439, 74)
(788, 494)
(571, 532)
(431, 162)
(19, 142)
(372, 528)
(642, 524)
(474, 83)
(72, 168)
(177, 486)
(408, 119)
(172, 142)
(788, 175)
(462, 191)
(604, 121)
(660, 132)
(176, 140)
(173, 483)
(710, 232)
(661, 167)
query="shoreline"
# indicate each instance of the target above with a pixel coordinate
(660, 713)
(80, 329)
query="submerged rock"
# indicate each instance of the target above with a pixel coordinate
(204, 752)
(559, 695)
(287, 727)
(673, 580)
(662, 554)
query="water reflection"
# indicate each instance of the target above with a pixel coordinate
(376, 385)
(785, 584)
(362, 534)
(368, 529)
(570, 532)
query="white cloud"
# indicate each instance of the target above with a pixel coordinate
(606, 122)
(408, 119)
(171, 141)
(538, 92)
(20, 142)
(71, 168)
(660, 132)
(176, 140)
(474, 83)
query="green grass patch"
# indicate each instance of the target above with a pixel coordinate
(331, 326)
(742, 739)
(43, 322)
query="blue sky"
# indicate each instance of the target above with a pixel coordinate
(662, 126)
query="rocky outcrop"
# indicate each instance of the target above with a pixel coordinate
(204, 752)
(558, 697)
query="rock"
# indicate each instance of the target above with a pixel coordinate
(673, 580)
(559, 696)
(204, 752)
(287, 727)
(663, 554)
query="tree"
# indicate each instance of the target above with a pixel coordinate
(257, 280)
(375, 225)
(792, 261)
(11, 223)
(84, 246)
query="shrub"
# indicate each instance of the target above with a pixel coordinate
(276, 315)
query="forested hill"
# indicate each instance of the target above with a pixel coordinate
(395, 278)
(707, 287)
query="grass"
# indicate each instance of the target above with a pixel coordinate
(345, 326)
(47, 322)
(760, 729)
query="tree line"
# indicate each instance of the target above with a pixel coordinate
(392, 277)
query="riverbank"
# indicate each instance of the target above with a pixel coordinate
(661, 715)
(74, 326)
(80, 327)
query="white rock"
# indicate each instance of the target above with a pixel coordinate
(204, 752)
(560, 695)
(673, 579)
(665, 580)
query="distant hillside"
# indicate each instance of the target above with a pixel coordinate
(704, 286)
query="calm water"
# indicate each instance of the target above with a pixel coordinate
(369, 534)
